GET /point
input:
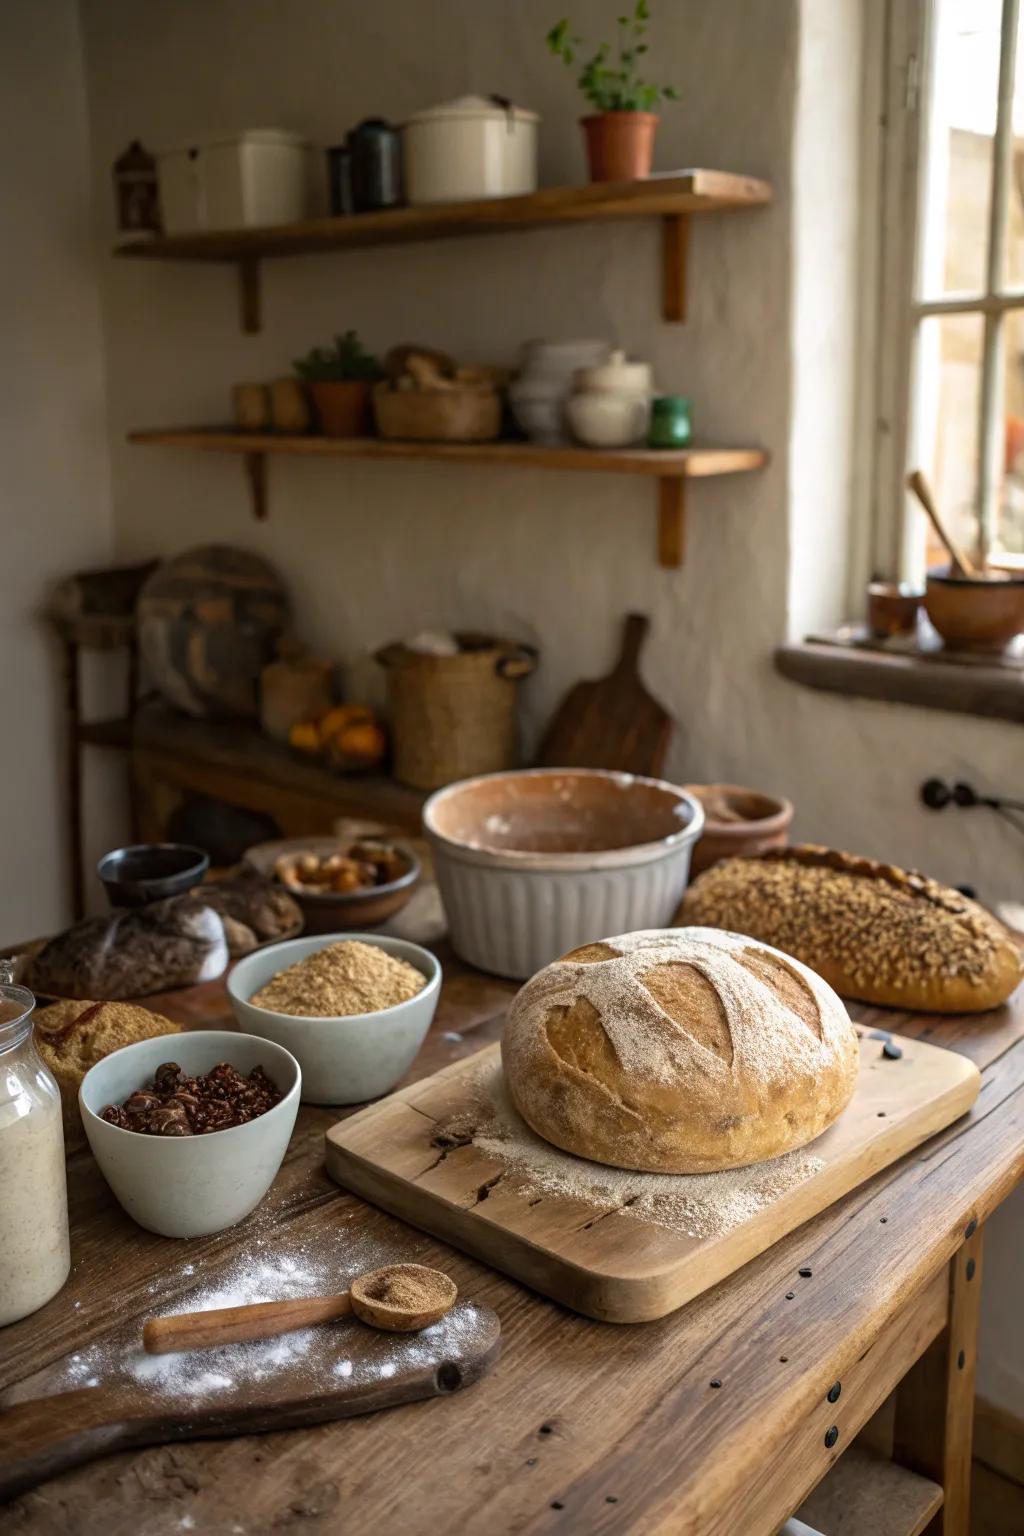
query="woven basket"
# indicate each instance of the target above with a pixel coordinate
(453, 717)
(470, 415)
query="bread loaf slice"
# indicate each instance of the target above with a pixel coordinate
(874, 932)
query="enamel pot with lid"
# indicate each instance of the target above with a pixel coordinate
(474, 146)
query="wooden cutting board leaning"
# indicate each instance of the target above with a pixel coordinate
(413, 1155)
(612, 722)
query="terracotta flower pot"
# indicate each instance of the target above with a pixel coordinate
(342, 406)
(620, 145)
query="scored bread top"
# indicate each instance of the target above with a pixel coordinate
(678, 1050)
(875, 930)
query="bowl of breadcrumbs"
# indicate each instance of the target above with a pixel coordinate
(353, 1009)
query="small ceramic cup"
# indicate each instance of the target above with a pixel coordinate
(190, 1186)
(345, 1059)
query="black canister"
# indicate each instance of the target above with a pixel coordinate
(339, 179)
(375, 165)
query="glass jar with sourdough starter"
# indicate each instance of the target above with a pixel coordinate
(35, 1250)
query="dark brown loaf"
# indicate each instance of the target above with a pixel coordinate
(875, 932)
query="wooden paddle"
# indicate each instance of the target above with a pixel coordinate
(50, 1433)
(611, 722)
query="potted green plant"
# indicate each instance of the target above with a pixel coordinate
(339, 380)
(620, 133)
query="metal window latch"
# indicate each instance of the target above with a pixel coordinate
(912, 83)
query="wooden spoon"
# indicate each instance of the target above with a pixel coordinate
(959, 559)
(367, 1297)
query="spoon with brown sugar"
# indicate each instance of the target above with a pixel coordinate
(400, 1298)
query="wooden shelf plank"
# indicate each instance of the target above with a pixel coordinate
(674, 193)
(864, 1492)
(682, 463)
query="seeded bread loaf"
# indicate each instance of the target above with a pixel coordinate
(679, 1050)
(874, 932)
(73, 1036)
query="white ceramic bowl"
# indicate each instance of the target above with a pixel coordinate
(534, 863)
(189, 1186)
(349, 1059)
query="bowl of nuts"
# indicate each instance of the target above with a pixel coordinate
(190, 1145)
(340, 883)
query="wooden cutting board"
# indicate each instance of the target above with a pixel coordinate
(612, 722)
(590, 1254)
(42, 1433)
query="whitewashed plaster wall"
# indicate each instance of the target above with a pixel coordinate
(372, 552)
(54, 482)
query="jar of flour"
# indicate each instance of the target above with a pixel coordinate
(35, 1251)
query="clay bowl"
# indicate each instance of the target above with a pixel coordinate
(983, 614)
(332, 911)
(738, 823)
(532, 864)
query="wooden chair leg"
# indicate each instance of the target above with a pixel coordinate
(935, 1400)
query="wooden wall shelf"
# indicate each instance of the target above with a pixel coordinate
(673, 197)
(670, 469)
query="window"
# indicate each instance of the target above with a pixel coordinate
(949, 349)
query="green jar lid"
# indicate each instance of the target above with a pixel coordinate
(671, 403)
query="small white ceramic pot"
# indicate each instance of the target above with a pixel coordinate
(349, 1059)
(539, 394)
(472, 147)
(190, 1186)
(534, 863)
(610, 406)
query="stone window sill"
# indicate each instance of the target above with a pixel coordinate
(991, 688)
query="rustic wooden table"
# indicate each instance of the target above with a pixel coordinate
(719, 1419)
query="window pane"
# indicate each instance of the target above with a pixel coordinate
(1014, 265)
(946, 426)
(961, 126)
(1010, 525)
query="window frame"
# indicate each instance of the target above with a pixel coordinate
(898, 102)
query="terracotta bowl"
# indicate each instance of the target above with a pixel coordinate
(762, 822)
(531, 864)
(331, 911)
(978, 615)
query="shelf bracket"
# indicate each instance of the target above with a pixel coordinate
(675, 239)
(671, 521)
(249, 295)
(256, 474)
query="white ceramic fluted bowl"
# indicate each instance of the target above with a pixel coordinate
(534, 863)
(349, 1059)
(189, 1186)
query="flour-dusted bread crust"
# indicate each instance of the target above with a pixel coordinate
(679, 1050)
(873, 931)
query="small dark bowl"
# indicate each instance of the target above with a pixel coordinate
(145, 872)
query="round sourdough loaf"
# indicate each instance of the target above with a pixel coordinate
(679, 1050)
(875, 932)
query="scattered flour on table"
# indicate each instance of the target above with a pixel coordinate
(322, 1354)
(700, 1205)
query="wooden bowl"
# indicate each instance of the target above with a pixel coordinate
(762, 822)
(975, 615)
(332, 911)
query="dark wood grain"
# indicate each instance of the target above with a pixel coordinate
(579, 1413)
(612, 722)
